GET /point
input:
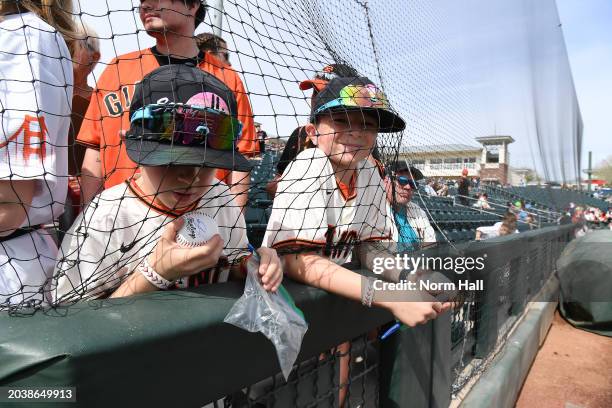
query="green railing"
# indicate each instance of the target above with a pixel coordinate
(173, 349)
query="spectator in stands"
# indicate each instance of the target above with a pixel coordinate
(261, 138)
(429, 188)
(473, 183)
(172, 24)
(522, 214)
(531, 221)
(412, 227)
(579, 220)
(116, 246)
(35, 95)
(589, 216)
(483, 202)
(565, 218)
(215, 45)
(505, 227)
(463, 189)
(441, 188)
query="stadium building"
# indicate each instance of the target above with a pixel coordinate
(489, 161)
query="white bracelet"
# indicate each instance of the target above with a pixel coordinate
(153, 277)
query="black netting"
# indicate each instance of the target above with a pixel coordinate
(464, 105)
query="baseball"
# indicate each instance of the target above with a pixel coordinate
(197, 229)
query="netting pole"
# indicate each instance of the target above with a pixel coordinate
(215, 10)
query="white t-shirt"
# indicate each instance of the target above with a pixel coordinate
(121, 227)
(492, 231)
(310, 210)
(35, 105)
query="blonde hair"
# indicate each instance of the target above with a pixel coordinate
(88, 36)
(57, 13)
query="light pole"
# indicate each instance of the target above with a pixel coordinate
(215, 11)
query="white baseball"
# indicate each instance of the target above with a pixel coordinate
(197, 229)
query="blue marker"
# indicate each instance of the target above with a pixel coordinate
(391, 330)
(253, 251)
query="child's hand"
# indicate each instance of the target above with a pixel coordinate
(173, 261)
(270, 269)
(419, 308)
(415, 313)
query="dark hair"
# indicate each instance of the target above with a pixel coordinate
(201, 13)
(297, 142)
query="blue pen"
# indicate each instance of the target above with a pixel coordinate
(391, 330)
(254, 252)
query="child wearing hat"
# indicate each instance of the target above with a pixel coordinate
(183, 127)
(331, 198)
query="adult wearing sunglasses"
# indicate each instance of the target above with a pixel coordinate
(412, 226)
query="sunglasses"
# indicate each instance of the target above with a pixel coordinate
(403, 181)
(363, 96)
(188, 125)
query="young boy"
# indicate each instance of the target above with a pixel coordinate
(331, 197)
(183, 128)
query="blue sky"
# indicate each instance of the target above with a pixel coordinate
(587, 26)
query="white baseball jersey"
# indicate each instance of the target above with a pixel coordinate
(35, 106)
(311, 211)
(121, 227)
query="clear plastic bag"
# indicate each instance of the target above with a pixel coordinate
(273, 314)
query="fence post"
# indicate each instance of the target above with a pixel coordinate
(415, 366)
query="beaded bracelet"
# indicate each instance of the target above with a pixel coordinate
(367, 294)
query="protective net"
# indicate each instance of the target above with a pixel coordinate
(450, 89)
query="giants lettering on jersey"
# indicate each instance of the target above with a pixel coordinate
(343, 246)
(118, 102)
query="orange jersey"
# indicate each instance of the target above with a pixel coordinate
(109, 109)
